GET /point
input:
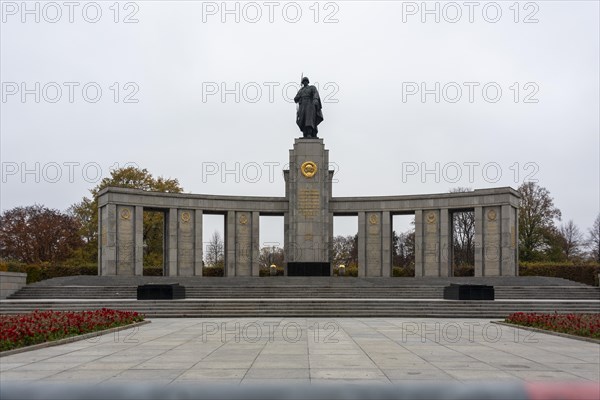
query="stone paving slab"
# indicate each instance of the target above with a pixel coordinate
(316, 350)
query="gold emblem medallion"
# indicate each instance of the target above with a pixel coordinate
(185, 216)
(308, 169)
(243, 219)
(491, 215)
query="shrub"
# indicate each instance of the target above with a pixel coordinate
(43, 271)
(351, 270)
(584, 273)
(266, 271)
(213, 271)
(403, 272)
(464, 270)
(153, 271)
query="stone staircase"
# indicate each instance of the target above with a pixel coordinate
(308, 297)
(266, 292)
(252, 308)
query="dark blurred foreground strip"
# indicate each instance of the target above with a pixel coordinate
(447, 391)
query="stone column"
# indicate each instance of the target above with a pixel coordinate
(478, 239)
(445, 242)
(185, 242)
(508, 221)
(492, 251)
(198, 249)
(308, 188)
(230, 243)
(255, 243)
(139, 240)
(373, 238)
(125, 240)
(430, 228)
(386, 245)
(362, 244)
(287, 246)
(171, 243)
(107, 240)
(100, 237)
(330, 249)
(243, 243)
(419, 244)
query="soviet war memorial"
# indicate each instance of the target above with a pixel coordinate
(413, 215)
(308, 209)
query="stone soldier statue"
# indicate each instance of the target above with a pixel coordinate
(309, 114)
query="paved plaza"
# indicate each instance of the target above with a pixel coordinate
(316, 350)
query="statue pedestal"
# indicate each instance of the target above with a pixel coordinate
(308, 222)
(309, 269)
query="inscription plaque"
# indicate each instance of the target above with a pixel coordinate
(309, 201)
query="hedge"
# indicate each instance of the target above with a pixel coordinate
(153, 271)
(584, 273)
(403, 272)
(351, 270)
(213, 271)
(266, 271)
(464, 270)
(40, 272)
(43, 271)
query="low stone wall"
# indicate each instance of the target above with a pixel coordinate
(10, 282)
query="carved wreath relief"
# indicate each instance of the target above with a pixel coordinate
(125, 213)
(430, 217)
(185, 216)
(373, 219)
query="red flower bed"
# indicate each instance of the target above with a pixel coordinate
(43, 326)
(587, 325)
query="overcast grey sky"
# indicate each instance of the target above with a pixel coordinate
(480, 94)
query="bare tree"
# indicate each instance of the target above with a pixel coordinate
(463, 234)
(215, 251)
(271, 255)
(571, 240)
(403, 249)
(463, 238)
(345, 250)
(593, 241)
